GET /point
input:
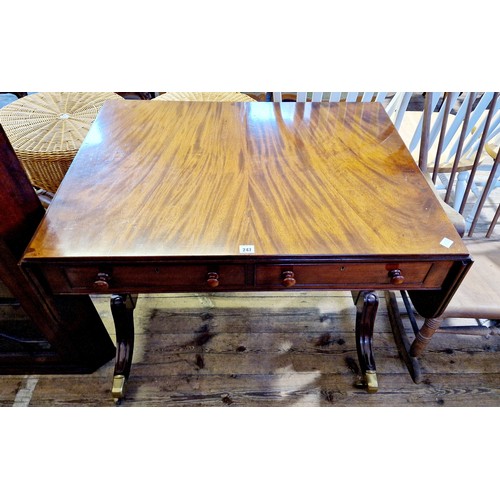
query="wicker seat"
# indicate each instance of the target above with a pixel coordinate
(204, 96)
(46, 130)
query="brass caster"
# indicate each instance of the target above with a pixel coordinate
(371, 381)
(118, 389)
(368, 381)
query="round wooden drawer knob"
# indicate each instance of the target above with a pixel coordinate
(288, 279)
(213, 280)
(396, 277)
(102, 282)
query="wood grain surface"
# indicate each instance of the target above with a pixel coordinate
(177, 179)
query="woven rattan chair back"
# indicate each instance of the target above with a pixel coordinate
(46, 130)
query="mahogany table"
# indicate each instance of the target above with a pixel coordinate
(209, 196)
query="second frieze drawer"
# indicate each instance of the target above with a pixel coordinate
(403, 275)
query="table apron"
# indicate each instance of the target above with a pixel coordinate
(199, 277)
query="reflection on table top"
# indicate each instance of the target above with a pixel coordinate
(174, 179)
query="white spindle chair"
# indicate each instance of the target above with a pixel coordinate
(395, 103)
(456, 155)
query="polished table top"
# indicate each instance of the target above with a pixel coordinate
(218, 180)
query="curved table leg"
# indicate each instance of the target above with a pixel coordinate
(122, 309)
(366, 310)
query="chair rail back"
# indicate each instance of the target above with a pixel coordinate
(395, 103)
(467, 134)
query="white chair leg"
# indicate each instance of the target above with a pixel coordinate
(460, 189)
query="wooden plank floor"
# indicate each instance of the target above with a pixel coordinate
(270, 349)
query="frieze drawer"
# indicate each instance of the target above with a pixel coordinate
(204, 277)
(345, 275)
(130, 278)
